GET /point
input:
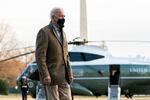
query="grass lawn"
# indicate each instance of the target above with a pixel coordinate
(18, 97)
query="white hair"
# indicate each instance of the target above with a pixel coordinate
(54, 11)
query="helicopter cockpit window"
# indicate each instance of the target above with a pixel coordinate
(80, 56)
(29, 70)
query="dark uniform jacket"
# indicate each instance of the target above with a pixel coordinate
(52, 56)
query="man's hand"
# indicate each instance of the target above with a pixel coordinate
(47, 80)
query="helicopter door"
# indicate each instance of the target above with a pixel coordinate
(114, 74)
(114, 90)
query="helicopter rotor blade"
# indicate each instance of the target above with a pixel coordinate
(131, 41)
(17, 56)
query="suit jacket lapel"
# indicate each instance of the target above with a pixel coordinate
(64, 38)
(55, 34)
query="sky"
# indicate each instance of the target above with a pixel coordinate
(107, 20)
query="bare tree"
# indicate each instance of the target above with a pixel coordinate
(9, 45)
(7, 40)
(3, 31)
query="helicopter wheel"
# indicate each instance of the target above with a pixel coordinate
(128, 94)
(72, 97)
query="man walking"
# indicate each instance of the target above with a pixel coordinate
(52, 58)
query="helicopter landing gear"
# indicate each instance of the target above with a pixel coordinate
(128, 94)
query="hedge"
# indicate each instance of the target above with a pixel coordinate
(4, 87)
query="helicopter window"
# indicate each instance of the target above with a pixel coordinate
(80, 56)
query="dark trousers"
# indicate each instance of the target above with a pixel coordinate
(24, 96)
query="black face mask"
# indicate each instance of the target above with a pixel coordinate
(61, 22)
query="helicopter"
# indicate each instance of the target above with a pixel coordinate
(93, 68)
